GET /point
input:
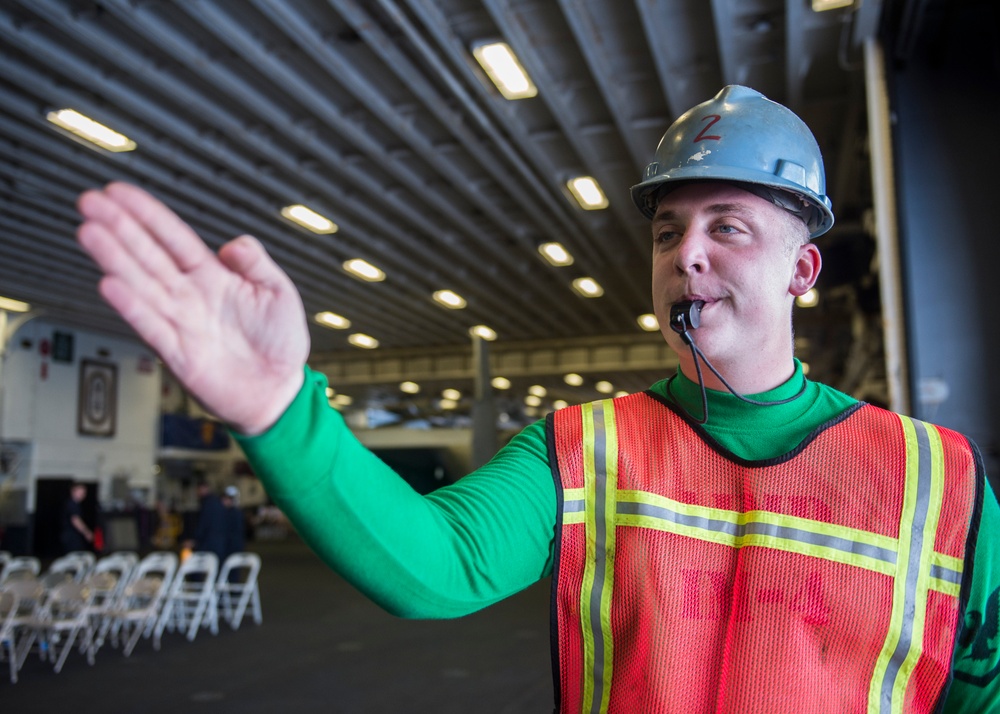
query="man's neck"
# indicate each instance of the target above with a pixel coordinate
(745, 376)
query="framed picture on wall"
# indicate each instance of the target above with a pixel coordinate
(98, 405)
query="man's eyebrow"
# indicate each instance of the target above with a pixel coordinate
(739, 209)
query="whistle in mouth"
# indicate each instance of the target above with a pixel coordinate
(685, 315)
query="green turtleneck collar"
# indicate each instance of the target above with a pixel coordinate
(759, 432)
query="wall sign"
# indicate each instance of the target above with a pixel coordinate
(62, 347)
(98, 404)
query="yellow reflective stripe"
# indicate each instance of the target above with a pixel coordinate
(829, 541)
(922, 499)
(600, 467)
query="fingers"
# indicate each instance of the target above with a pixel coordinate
(150, 324)
(246, 256)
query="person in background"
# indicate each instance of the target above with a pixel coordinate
(235, 529)
(210, 531)
(75, 534)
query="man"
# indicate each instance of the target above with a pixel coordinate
(75, 534)
(797, 552)
(211, 530)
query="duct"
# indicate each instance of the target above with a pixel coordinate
(796, 56)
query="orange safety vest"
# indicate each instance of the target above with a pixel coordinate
(831, 579)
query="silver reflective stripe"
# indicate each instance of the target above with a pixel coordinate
(913, 565)
(756, 528)
(575, 506)
(600, 552)
(947, 574)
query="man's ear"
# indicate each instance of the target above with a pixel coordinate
(807, 267)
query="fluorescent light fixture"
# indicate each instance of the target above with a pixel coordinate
(823, 5)
(487, 333)
(365, 342)
(90, 130)
(500, 383)
(330, 391)
(332, 319)
(604, 387)
(573, 379)
(532, 401)
(342, 400)
(588, 287)
(648, 322)
(452, 394)
(808, 299)
(364, 270)
(12, 305)
(409, 387)
(504, 70)
(447, 404)
(556, 254)
(587, 193)
(621, 393)
(560, 404)
(538, 390)
(805, 368)
(450, 299)
(309, 219)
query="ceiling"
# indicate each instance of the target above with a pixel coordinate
(375, 114)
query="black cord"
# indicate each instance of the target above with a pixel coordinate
(695, 354)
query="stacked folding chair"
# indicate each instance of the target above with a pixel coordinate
(191, 602)
(237, 588)
(137, 610)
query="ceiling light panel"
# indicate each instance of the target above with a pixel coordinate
(309, 219)
(12, 305)
(587, 193)
(450, 299)
(364, 270)
(588, 287)
(92, 132)
(486, 333)
(504, 69)
(365, 342)
(556, 254)
(332, 319)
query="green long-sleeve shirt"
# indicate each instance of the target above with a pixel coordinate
(489, 535)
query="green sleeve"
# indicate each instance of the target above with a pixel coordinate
(976, 687)
(446, 554)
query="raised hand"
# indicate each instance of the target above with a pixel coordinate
(230, 326)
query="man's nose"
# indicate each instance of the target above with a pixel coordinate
(691, 255)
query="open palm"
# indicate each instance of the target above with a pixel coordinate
(230, 326)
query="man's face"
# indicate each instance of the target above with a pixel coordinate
(738, 253)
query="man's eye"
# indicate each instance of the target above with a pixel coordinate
(664, 236)
(727, 229)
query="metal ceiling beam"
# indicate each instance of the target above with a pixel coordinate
(797, 57)
(725, 37)
(611, 353)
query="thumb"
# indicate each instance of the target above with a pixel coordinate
(247, 257)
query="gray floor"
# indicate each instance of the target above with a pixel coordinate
(322, 648)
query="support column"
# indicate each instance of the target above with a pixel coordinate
(484, 413)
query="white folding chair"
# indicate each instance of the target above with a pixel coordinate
(120, 565)
(22, 566)
(9, 602)
(237, 588)
(56, 625)
(138, 609)
(191, 601)
(74, 564)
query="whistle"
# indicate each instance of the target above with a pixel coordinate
(686, 315)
